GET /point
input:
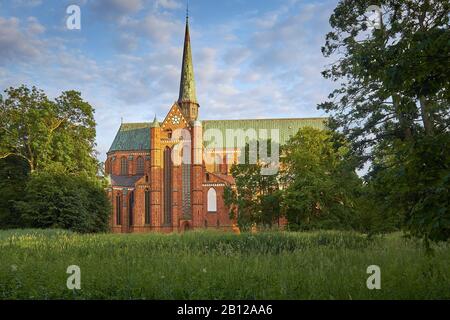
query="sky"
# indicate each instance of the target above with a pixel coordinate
(252, 58)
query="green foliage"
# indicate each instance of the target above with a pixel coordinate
(320, 184)
(59, 200)
(48, 168)
(13, 175)
(416, 184)
(255, 198)
(217, 265)
(392, 105)
(47, 133)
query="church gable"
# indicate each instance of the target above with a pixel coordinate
(174, 119)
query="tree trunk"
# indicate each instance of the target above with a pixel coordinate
(426, 115)
(404, 125)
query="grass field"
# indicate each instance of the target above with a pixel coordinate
(213, 265)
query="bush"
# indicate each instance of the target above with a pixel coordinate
(413, 186)
(13, 176)
(59, 200)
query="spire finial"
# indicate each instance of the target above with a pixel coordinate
(187, 83)
(155, 123)
(187, 10)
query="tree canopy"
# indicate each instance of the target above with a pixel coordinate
(48, 168)
(392, 104)
(48, 133)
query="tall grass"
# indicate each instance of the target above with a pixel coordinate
(215, 265)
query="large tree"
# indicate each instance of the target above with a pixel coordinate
(47, 163)
(394, 81)
(392, 103)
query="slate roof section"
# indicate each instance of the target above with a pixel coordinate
(136, 136)
(124, 181)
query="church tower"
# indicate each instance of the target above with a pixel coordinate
(188, 99)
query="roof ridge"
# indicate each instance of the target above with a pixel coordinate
(304, 118)
(248, 119)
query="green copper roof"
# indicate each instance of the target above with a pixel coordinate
(136, 136)
(287, 127)
(132, 136)
(187, 82)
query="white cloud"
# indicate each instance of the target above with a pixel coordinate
(19, 43)
(250, 68)
(168, 4)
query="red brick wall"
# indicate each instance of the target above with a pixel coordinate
(221, 215)
(113, 166)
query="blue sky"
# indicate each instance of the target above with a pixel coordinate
(252, 58)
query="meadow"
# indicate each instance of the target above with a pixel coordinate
(216, 265)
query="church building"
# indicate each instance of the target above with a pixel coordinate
(149, 191)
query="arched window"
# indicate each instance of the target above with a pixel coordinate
(212, 200)
(147, 207)
(118, 211)
(167, 186)
(140, 165)
(123, 166)
(130, 209)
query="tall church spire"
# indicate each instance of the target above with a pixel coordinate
(187, 82)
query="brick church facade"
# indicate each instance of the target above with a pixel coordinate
(149, 191)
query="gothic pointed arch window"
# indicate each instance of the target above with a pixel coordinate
(167, 186)
(123, 166)
(147, 207)
(130, 209)
(140, 165)
(118, 210)
(212, 200)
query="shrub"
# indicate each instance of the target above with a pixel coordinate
(13, 176)
(59, 200)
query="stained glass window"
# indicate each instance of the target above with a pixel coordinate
(147, 207)
(167, 186)
(123, 166)
(118, 211)
(140, 165)
(130, 209)
(186, 188)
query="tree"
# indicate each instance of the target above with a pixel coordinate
(393, 101)
(393, 78)
(255, 198)
(48, 165)
(48, 133)
(413, 185)
(320, 185)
